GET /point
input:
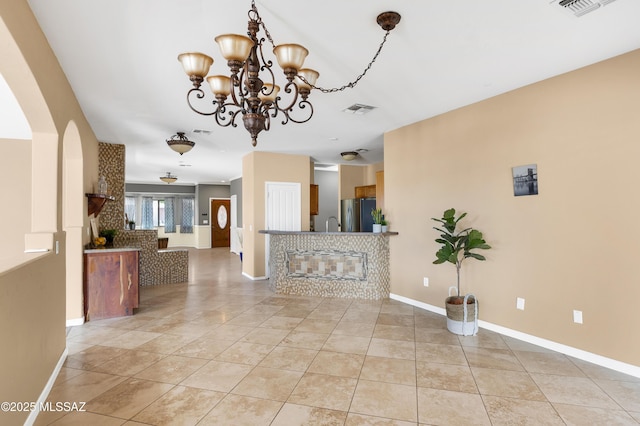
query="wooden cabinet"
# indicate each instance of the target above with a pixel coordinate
(313, 195)
(110, 283)
(368, 191)
(380, 190)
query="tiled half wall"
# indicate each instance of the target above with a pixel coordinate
(330, 265)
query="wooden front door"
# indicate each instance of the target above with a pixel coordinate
(220, 223)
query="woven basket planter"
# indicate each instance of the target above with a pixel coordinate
(462, 318)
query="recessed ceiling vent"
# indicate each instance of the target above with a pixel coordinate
(579, 7)
(358, 109)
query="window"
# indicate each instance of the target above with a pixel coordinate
(130, 208)
(153, 210)
(158, 213)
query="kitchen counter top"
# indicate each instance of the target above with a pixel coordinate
(274, 232)
(111, 249)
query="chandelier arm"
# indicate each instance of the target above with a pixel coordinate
(233, 115)
(267, 122)
(302, 105)
(221, 120)
(242, 92)
(287, 89)
(200, 95)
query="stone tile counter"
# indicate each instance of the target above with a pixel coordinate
(330, 264)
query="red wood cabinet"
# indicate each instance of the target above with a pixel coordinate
(313, 197)
(110, 283)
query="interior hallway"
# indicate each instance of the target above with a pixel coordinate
(227, 351)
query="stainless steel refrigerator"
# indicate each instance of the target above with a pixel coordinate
(355, 214)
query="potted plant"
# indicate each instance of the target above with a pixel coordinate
(132, 225)
(377, 216)
(456, 246)
(109, 235)
(385, 224)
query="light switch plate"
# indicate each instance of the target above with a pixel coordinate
(577, 317)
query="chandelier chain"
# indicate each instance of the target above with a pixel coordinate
(349, 85)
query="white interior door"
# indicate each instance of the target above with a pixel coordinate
(283, 210)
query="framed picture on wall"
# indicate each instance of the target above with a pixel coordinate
(525, 180)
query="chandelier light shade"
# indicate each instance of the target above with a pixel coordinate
(310, 77)
(196, 65)
(168, 178)
(234, 47)
(290, 57)
(179, 143)
(250, 91)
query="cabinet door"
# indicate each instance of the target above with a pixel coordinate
(370, 191)
(313, 195)
(111, 284)
(361, 192)
(380, 190)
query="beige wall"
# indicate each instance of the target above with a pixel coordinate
(257, 169)
(17, 182)
(32, 296)
(573, 246)
(352, 176)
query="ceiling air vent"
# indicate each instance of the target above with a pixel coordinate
(579, 7)
(358, 109)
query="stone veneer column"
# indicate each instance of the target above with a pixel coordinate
(111, 161)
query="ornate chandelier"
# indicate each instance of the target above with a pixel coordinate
(254, 99)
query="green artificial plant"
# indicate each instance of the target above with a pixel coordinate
(377, 216)
(457, 245)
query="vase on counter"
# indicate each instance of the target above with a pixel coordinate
(377, 228)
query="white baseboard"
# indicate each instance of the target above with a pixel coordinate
(45, 392)
(75, 321)
(632, 370)
(254, 278)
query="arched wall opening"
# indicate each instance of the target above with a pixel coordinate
(40, 195)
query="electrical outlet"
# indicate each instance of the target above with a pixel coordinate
(520, 303)
(425, 281)
(577, 317)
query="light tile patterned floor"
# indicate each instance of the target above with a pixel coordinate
(223, 350)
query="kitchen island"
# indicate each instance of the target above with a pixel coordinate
(330, 264)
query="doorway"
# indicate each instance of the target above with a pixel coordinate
(283, 211)
(220, 223)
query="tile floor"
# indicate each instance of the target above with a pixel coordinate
(223, 350)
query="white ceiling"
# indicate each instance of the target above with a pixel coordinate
(120, 58)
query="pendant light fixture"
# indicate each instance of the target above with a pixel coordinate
(254, 99)
(169, 178)
(179, 143)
